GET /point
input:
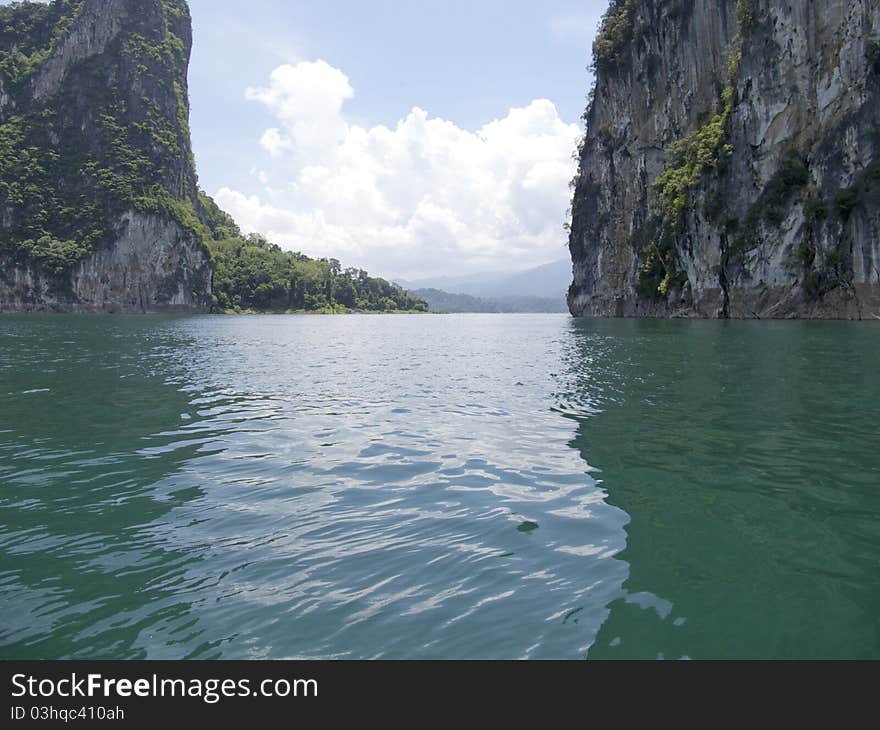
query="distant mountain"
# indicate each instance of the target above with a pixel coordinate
(452, 284)
(442, 301)
(550, 281)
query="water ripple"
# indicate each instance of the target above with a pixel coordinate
(403, 487)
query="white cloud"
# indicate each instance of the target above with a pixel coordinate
(424, 197)
(307, 99)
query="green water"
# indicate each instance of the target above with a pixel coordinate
(438, 487)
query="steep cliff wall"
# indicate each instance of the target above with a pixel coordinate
(98, 191)
(731, 166)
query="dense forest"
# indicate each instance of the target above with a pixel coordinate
(252, 274)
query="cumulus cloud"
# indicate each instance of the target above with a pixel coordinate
(420, 198)
(307, 100)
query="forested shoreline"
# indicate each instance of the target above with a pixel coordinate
(251, 274)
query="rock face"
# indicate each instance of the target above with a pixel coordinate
(152, 266)
(98, 190)
(731, 166)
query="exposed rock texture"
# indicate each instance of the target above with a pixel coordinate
(153, 266)
(779, 215)
(98, 190)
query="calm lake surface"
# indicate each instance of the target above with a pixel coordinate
(491, 486)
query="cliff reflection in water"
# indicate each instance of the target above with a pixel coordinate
(92, 461)
(746, 456)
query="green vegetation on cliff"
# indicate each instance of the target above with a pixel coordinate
(112, 136)
(615, 33)
(688, 161)
(72, 164)
(29, 32)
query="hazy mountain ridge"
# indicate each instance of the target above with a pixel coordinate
(541, 289)
(450, 303)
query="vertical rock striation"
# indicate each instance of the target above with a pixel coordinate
(731, 166)
(98, 190)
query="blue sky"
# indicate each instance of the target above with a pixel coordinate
(468, 61)
(421, 138)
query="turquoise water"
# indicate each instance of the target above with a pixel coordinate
(463, 486)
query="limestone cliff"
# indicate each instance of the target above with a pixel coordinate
(98, 191)
(731, 166)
